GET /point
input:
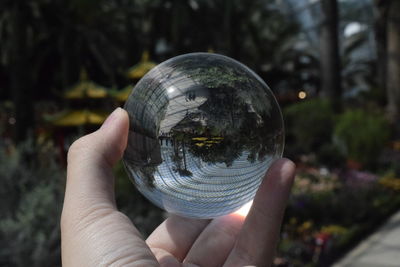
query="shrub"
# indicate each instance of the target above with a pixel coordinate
(309, 125)
(361, 135)
(330, 156)
(348, 212)
(31, 193)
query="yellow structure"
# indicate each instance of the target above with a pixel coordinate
(205, 141)
(135, 73)
(86, 89)
(76, 118)
(122, 95)
(139, 70)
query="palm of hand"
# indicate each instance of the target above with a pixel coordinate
(95, 233)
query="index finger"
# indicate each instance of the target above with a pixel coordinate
(175, 236)
(257, 241)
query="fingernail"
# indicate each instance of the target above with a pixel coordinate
(110, 118)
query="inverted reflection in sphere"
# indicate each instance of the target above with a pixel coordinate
(204, 129)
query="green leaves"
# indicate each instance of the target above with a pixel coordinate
(362, 135)
(31, 194)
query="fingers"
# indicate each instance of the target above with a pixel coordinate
(174, 237)
(257, 241)
(93, 232)
(217, 240)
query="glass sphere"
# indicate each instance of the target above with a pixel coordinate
(204, 129)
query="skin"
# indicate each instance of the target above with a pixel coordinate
(95, 233)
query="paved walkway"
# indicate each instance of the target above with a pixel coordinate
(381, 249)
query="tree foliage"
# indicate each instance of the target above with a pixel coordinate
(31, 194)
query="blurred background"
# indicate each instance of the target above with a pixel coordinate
(334, 66)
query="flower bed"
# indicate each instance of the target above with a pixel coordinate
(329, 213)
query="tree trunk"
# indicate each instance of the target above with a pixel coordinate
(393, 62)
(21, 74)
(380, 30)
(184, 155)
(329, 49)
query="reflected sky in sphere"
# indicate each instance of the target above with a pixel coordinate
(204, 129)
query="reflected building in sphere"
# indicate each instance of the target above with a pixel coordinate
(203, 131)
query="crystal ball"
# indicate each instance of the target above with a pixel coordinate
(204, 129)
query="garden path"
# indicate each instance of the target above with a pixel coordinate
(381, 249)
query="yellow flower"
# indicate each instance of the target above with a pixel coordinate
(390, 182)
(333, 229)
(305, 226)
(396, 145)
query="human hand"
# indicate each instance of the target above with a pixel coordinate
(95, 233)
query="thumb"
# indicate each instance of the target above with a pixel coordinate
(90, 160)
(93, 232)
